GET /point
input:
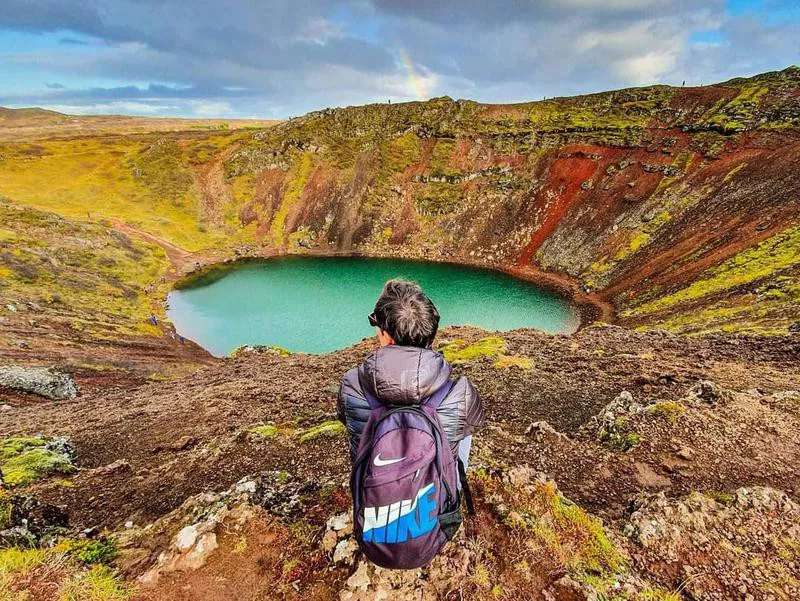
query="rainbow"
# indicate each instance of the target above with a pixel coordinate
(415, 80)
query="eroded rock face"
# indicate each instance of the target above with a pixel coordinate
(739, 545)
(196, 540)
(48, 382)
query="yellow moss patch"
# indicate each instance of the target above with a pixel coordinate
(297, 181)
(328, 429)
(517, 362)
(264, 430)
(669, 409)
(734, 171)
(459, 350)
(773, 255)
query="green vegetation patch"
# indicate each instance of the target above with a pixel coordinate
(100, 583)
(721, 497)
(575, 538)
(765, 260)
(160, 167)
(89, 552)
(298, 178)
(62, 574)
(327, 429)
(438, 198)
(621, 110)
(6, 509)
(619, 437)
(86, 275)
(25, 460)
(669, 409)
(517, 362)
(397, 154)
(740, 113)
(460, 350)
(263, 349)
(264, 430)
(14, 560)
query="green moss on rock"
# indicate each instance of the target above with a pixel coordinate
(6, 510)
(669, 409)
(327, 429)
(25, 460)
(264, 430)
(777, 253)
(460, 350)
(269, 349)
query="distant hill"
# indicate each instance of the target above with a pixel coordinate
(36, 124)
(30, 116)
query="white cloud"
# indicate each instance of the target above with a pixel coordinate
(211, 108)
(291, 57)
(644, 69)
(113, 108)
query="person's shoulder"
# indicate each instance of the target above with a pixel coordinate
(351, 382)
(463, 389)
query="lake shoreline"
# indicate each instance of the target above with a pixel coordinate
(590, 306)
(585, 311)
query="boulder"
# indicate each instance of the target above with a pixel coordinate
(542, 430)
(345, 551)
(43, 381)
(707, 391)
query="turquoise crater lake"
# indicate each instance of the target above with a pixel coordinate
(320, 304)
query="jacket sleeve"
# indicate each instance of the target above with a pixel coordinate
(340, 415)
(475, 417)
(352, 409)
(461, 411)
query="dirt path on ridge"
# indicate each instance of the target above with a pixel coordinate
(178, 256)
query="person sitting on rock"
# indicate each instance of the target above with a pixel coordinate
(406, 370)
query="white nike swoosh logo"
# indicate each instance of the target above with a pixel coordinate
(381, 462)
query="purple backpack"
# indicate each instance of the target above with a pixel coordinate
(406, 503)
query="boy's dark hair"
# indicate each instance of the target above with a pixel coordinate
(407, 314)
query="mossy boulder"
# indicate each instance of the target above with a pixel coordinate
(259, 349)
(26, 460)
(43, 381)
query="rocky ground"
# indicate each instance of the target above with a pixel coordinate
(687, 448)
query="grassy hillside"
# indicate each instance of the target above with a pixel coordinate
(146, 181)
(81, 294)
(679, 206)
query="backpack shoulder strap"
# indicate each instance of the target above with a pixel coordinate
(462, 476)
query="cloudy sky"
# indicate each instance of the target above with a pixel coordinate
(278, 58)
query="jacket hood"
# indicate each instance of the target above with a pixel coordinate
(403, 375)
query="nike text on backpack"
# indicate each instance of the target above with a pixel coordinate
(406, 502)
